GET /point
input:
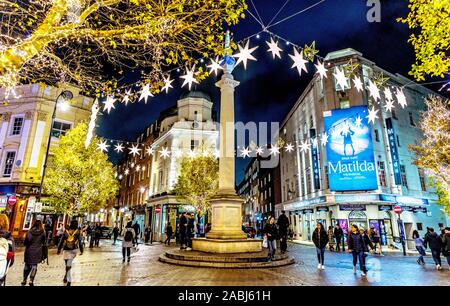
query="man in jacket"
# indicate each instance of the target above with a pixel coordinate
(320, 239)
(433, 240)
(283, 229)
(338, 234)
(183, 228)
(446, 244)
(190, 230)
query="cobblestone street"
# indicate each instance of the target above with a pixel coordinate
(103, 266)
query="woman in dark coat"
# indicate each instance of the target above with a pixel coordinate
(320, 239)
(358, 245)
(271, 233)
(34, 241)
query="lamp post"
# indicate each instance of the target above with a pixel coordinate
(64, 96)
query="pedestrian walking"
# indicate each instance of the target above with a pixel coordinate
(418, 242)
(338, 235)
(137, 232)
(35, 239)
(446, 245)
(97, 234)
(7, 248)
(283, 230)
(271, 233)
(70, 244)
(433, 240)
(128, 241)
(190, 231)
(183, 229)
(169, 232)
(59, 233)
(91, 236)
(320, 239)
(358, 246)
(331, 242)
(375, 239)
(115, 234)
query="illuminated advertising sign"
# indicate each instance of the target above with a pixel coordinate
(351, 163)
(394, 151)
(315, 158)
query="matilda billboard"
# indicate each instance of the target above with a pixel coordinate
(351, 163)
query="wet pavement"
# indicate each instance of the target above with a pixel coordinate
(103, 266)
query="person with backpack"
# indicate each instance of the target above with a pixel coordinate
(7, 248)
(320, 239)
(70, 243)
(433, 240)
(127, 242)
(419, 247)
(35, 241)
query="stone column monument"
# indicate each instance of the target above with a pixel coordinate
(226, 235)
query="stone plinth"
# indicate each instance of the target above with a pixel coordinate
(227, 246)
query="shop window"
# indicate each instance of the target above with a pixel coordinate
(423, 184)
(382, 173)
(9, 162)
(394, 114)
(377, 135)
(403, 175)
(17, 126)
(419, 226)
(411, 119)
(398, 141)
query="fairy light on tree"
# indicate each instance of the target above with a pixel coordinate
(92, 43)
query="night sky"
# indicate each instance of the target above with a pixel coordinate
(269, 88)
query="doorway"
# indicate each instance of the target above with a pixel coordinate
(408, 233)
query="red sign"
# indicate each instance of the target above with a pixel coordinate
(12, 200)
(398, 209)
(157, 209)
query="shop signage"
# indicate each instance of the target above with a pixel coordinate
(356, 198)
(403, 200)
(296, 205)
(394, 153)
(350, 207)
(322, 208)
(407, 208)
(308, 211)
(351, 162)
(315, 158)
(420, 210)
(384, 207)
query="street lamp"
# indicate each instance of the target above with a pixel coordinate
(63, 97)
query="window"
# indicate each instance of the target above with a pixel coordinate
(9, 161)
(423, 183)
(419, 226)
(382, 173)
(194, 144)
(59, 128)
(403, 175)
(411, 119)
(398, 142)
(17, 126)
(377, 136)
(311, 122)
(305, 128)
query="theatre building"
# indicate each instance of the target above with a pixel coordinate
(349, 170)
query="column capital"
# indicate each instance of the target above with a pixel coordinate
(227, 80)
(42, 116)
(28, 115)
(5, 117)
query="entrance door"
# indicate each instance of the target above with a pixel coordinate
(408, 233)
(389, 233)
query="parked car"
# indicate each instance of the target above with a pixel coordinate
(106, 232)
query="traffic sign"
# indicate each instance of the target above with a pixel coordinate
(38, 207)
(397, 209)
(12, 200)
(158, 209)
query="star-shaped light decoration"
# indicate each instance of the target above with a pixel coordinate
(289, 148)
(341, 79)
(374, 91)
(304, 146)
(189, 77)
(138, 168)
(245, 153)
(192, 154)
(324, 139)
(299, 61)
(126, 172)
(274, 48)
(314, 142)
(259, 150)
(245, 54)
(164, 153)
(149, 151)
(274, 150)
(372, 115)
(214, 66)
(310, 51)
(358, 84)
(109, 103)
(134, 150)
(102, 146)
(126, 98)
(118, 148)
(351, 68)
(389, 106)
(388, 94)
(401, 98)
(321, 70)
(358, 121)
(145, 93)
(167, 84)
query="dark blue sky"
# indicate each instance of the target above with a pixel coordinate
(269, 88)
